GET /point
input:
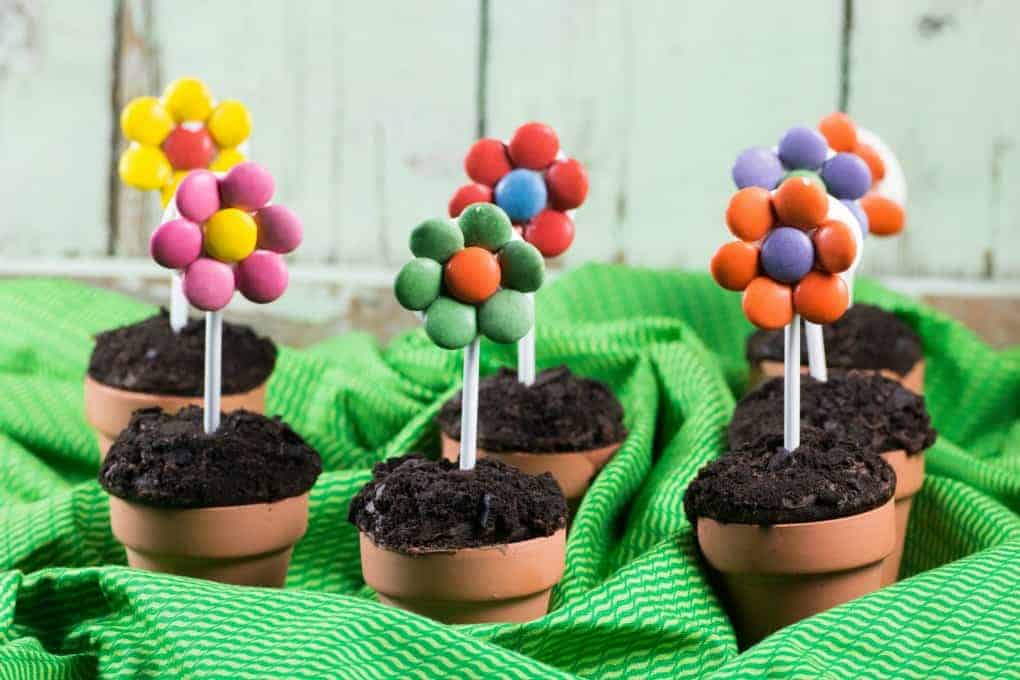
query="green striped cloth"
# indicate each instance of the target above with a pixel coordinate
(634, 602)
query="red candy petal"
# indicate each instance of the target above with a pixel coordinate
(551, 231)
(487, 161)
(466, 195)
(567, 181)
(534, 146)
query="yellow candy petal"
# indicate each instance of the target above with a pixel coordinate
(188, 99)
(144, 120)
(144, 167)
(226, 159)
(230, 123)
(168, 190)
(230, 235)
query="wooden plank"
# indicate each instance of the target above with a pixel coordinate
(133, 213)
(55, 127)
(361, 110)
(934, 79)
(657, 98)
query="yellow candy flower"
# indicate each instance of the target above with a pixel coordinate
(182, 131)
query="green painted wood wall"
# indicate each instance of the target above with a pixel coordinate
(363, 110)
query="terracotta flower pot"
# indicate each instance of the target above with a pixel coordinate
(777, 575)
(573, 471)
(909, 479)
(913, 380)
(247, 545)
(108, 409)
(493, 584)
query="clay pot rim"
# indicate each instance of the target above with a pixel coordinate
(811, 524)
(430, 552)
(777, 366)
(541, 454)
(99, 386)
(909, 484)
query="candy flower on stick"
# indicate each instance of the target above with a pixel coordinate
(184, 130)
(470, 278)
(538, 186)
(787, 259)
(227, 238)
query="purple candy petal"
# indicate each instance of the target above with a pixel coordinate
(787, 254)
(858, 212)
(846, 176)
(757, 167)
(803, 148)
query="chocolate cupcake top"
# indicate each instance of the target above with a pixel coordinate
(866, 337)
(560, 412)
(763, 483)
(168, 461)
(149, 357)
(415, 505)
(867, 409)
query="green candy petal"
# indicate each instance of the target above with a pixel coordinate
(451, 324)
(811, 176)
(506, 317)
(485, 225)
(436, 239)
(522, 266)
(418, 283)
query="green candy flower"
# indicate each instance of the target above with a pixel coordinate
(470, 277)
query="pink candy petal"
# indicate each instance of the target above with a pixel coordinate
(280, 229)
(262, 276)
(209, 284)
(247, 186)
(176, 244)
(198, 196)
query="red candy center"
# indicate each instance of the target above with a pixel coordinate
(189, 149)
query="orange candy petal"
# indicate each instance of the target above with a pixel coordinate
(872, 160)
(835, 246)
(472, 275)
(885, 217)
(735, 265)
(749, 214)
(821, 298)
(800, 203)
(839, 131)
(767, 304)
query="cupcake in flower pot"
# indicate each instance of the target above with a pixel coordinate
(854, 166)
(194, 491)
(475, 539)
(874, 412)
(553, 421)
(798, 520)
(159, 361)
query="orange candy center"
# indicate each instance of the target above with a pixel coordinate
(472, 275)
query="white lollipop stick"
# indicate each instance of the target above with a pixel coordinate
(213, 370)
(178, 303)
(791, 384)
(894, 184)
(816, 351)
(469, 407)
(526, 351)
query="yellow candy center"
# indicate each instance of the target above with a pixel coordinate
(230, 235)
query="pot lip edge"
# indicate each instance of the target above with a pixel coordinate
(548, 454)
(218, 509)
(501, 547)
(96, 385)
(787, 525)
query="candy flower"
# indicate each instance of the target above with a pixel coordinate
(531, 179)
(182, 131)
(228, 237)
(469, 278)
(804, 152)
(788, 254)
